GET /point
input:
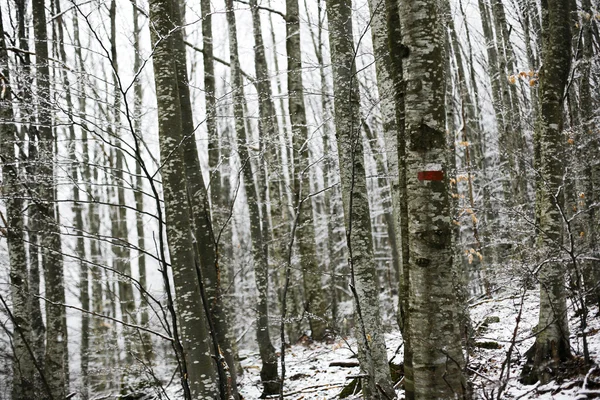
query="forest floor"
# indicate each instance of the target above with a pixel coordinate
(310, 376)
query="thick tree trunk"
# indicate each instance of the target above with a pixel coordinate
(194, 335)
(552, 340)
(364, 285)
(433, 323)
(200, 210)
(313, 293)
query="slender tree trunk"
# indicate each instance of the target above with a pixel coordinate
(146, 346)
(96, 353)
(313, 292)
(472, 144)
(433, 323)
(512, 109)
(194, 335)
(56, 358)
(591, 179)
(78, 208)
(380, 32)
(364, 285)
(498, 101)
(22, 344)
(27, 110)
(385, 184)
(552, 340)
(119, 225)
(268, 374)
(332, 196)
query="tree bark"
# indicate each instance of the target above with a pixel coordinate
(194, 335)
(268, 373)
(146, 345)
(200, 209)
(364, 285)
(23, 363)
(119, 224)
(552, 340)
(433, 323)
(78, 208)
(56, 358)
(313, 292)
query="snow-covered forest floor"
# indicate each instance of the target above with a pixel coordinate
(310, 376)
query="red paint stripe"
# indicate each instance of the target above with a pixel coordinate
(430, 175)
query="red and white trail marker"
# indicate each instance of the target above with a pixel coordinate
(431, 172)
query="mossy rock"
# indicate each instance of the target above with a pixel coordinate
(486, 323)
(488, 345)
(355, 386)
(351, 388)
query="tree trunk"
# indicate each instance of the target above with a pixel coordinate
(56, 359)
(23, 363)
(268, 373)
(146, 345)
(364, 285)
(381, 34)
(27, 109)
(78, 208)
(433, 323)
(305, 233)
(194, 335)
(119, 228)
(552, 340)
(200, 211)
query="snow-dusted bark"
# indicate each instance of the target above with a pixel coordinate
(590, 181)
(78, 210)
(364, 285)
(56, 358)
(432, 323)
(382, 34)
(552, 339)
(470, 140)
(200, 208)
(194, 334)
(146, 345)
(385, 186)
(268, 373)
(23, 363)
(499, 90)
(26, 106)
(119, 224)
(96, 354)
(313, 292)
(516, 147)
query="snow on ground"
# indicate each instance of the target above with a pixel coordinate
(309, 376)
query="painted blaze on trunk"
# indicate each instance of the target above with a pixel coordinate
(432, 321)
